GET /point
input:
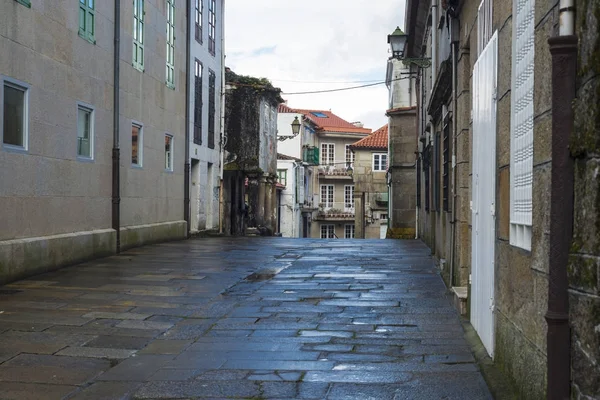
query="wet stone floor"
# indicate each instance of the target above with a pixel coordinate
(246, 318)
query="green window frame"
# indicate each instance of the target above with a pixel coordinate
(87, 20)
(138, 34)
(171, 44)
(282, 176)
(26, 3)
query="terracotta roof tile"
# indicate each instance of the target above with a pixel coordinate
(377, 140)
(325, 120)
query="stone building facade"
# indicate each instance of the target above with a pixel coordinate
(484, 122)
(371, 196)
(250, 167)
(205, 103)
(75, 184)
(402, 148)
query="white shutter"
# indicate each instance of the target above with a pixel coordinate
(300, 185)
(521, 141)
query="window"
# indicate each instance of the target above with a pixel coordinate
(198, 102)
(211, 108)
(349, 231)
(169, 152)
(136, 144)
(15, 114)
(319, 114)
(85, 132)
(521, 129)
(212, 22)
(419, 173)
(380, 162)
(328, 153)
(282, 176)
(427, 172)
(484, 24)
(138, 34)
(86, 19)
(436, 172)
(349, 198)
(327, 196)
(349, 156)
(383, 216)
(199, 9)
(26, 3)
(327, 231)
(446, 167)
(171, 43)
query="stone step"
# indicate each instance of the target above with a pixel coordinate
(459, 299)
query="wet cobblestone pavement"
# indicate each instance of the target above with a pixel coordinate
(250, 318)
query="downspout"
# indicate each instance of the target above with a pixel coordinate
(116, 184)
(434, 40)
(563, 49)
(223, 134)
(454, 49)
(186, 180)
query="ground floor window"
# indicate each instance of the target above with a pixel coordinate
(349, 234)
(327, 231)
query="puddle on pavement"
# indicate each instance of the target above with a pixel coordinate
(263, 274)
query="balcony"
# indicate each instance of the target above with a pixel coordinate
(382, 198)
(334, 172)
(338, 211)
(310, 155)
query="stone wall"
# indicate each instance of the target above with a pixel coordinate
(584, 263)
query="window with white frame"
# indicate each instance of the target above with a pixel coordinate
(137, 144)
(170, 72)
(327, 231)
(212, 26)
(383, 216)
(199, 9)
(327, 153)
(327, 196)
(349, 231)
(349, 156)
(380, 162)
(169, 152)
(15, 112)
(282, 176)
(349, 198)
(138, 34)
(521, 132)
(85, 132)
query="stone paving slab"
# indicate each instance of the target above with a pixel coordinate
(332, 319)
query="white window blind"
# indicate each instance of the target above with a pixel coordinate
(521, 140)
(484, 25)
(300, 185)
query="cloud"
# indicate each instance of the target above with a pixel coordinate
(316, 41)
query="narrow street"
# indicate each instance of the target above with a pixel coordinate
(253, 318)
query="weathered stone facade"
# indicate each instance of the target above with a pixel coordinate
(251, 130)
(584, 263)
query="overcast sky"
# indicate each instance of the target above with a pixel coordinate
(293, 42)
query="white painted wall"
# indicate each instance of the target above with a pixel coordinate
(290, 212)
(289, 147)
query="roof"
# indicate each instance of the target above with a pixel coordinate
(289, 158)
(377, 140)
(325, 120)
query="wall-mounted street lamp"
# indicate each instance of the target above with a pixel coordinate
(397, 42)
(295, 130)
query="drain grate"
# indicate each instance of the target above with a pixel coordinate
(9, 291)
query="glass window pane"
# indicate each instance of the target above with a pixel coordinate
(135, 138)
(14, 117)
(91, 4)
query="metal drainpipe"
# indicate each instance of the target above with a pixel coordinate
(563, 49)
(116, 184)
(454, 49)
(186, 181)
(223, 133)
